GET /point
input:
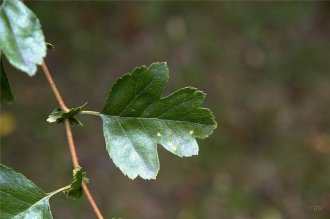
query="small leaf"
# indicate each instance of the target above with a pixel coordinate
(50, 46)
(6, 95)
(20, 198)
(59, 116)
(75, 190)
(136, 119)
(21, 37)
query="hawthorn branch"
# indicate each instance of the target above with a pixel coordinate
(72, 147)
(69, 135)
(54, 87)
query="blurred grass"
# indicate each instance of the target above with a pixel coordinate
(265, 68)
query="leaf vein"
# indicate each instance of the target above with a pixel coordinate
(175, 107)
(136, 96)
(44, 198)
(15, 198)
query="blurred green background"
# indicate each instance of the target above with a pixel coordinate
(265, 68)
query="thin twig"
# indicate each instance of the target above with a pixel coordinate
(76, 164)
(70, 138)
(54, 88)
(71, 143)
(92, 201)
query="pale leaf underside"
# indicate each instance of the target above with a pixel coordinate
(21, 37)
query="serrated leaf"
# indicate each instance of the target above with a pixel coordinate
(6, 95)
(136, 119)
(20, 198)
(21, 37)
(58, 116)
(75, 190)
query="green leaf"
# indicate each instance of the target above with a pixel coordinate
(6, 96)
(50, 46)
(58, 116)
(20, 198)
(21, 37)
(136, 119)
(75, 190)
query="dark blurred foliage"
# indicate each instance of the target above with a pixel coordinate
(265, 68)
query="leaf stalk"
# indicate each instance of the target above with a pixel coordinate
(87, 112)
(58, 190)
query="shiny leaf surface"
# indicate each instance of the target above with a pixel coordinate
(136, 119)
(20, 198)
(21, 37)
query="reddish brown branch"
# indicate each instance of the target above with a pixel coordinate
(92, 201)
(70, 138)
(53, 87)
(72, 147)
